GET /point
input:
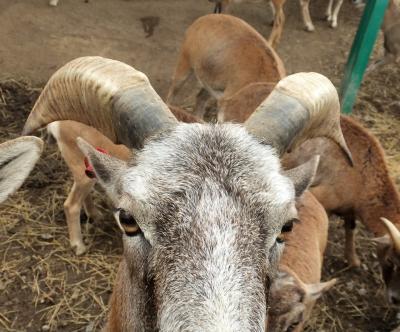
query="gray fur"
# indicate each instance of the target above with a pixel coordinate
(210, 201)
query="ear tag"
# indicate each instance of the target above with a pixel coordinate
(89, 171)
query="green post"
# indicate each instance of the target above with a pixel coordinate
(360, 51)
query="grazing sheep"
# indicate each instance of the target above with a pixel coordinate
(65, 133)
(391, 35)
(332, 13)
(297, 286)
(226, 55)
(364, 192)
(277, 10)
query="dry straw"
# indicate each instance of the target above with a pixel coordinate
(44, 287)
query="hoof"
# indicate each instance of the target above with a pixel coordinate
(354, 262)
(328, 18)
(53, 3)
(79, 249)
(333, 25)
(310, 28)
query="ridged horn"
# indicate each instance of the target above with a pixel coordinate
(394, 234)
(17, 159)
(302, 106)
(108, 95)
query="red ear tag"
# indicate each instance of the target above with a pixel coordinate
(102, 150)
(89, 171)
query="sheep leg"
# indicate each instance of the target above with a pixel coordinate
(182, 73)
(221, 6)
(90, 209)
(350, 246)
(273, 12)
(328, 12)
(335, 14)
(201, 103)
(279, 21)
(305, 12)
(72, 209)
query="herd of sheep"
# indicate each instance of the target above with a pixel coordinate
(206, 209)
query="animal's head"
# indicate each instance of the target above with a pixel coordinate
(239, 106)
(388, 247)
(17, 159)
(291, 301)
(202, 206)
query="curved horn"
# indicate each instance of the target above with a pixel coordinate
(394, 234)
(302, 106)
(17, 159)
(106, 94)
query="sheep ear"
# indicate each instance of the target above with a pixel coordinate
(107, 169)
(314, 291)
(302, 176)
(17, 159)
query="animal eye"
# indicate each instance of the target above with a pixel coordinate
(280, 240)
(127, 222)
(288, 226)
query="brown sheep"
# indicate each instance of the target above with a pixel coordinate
(391, 34)
(226, 55)
(298, 286)
(66, 133)
(365, 192)
(331, 15)
(277, 10)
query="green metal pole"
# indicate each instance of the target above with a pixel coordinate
(360, 51)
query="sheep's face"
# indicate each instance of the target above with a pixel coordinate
(202, 208)
(287, 304)
(390, 264)
(291, 301)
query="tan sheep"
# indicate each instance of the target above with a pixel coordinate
(365, 192)
(66, 133)
(297, 287)
(226, 55)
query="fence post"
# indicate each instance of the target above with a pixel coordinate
(361, 49)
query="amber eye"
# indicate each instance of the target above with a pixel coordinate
(127, 222)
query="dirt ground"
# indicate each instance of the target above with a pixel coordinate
(43, 286)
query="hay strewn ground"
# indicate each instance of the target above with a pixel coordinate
(43, 286)
(357, 302)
